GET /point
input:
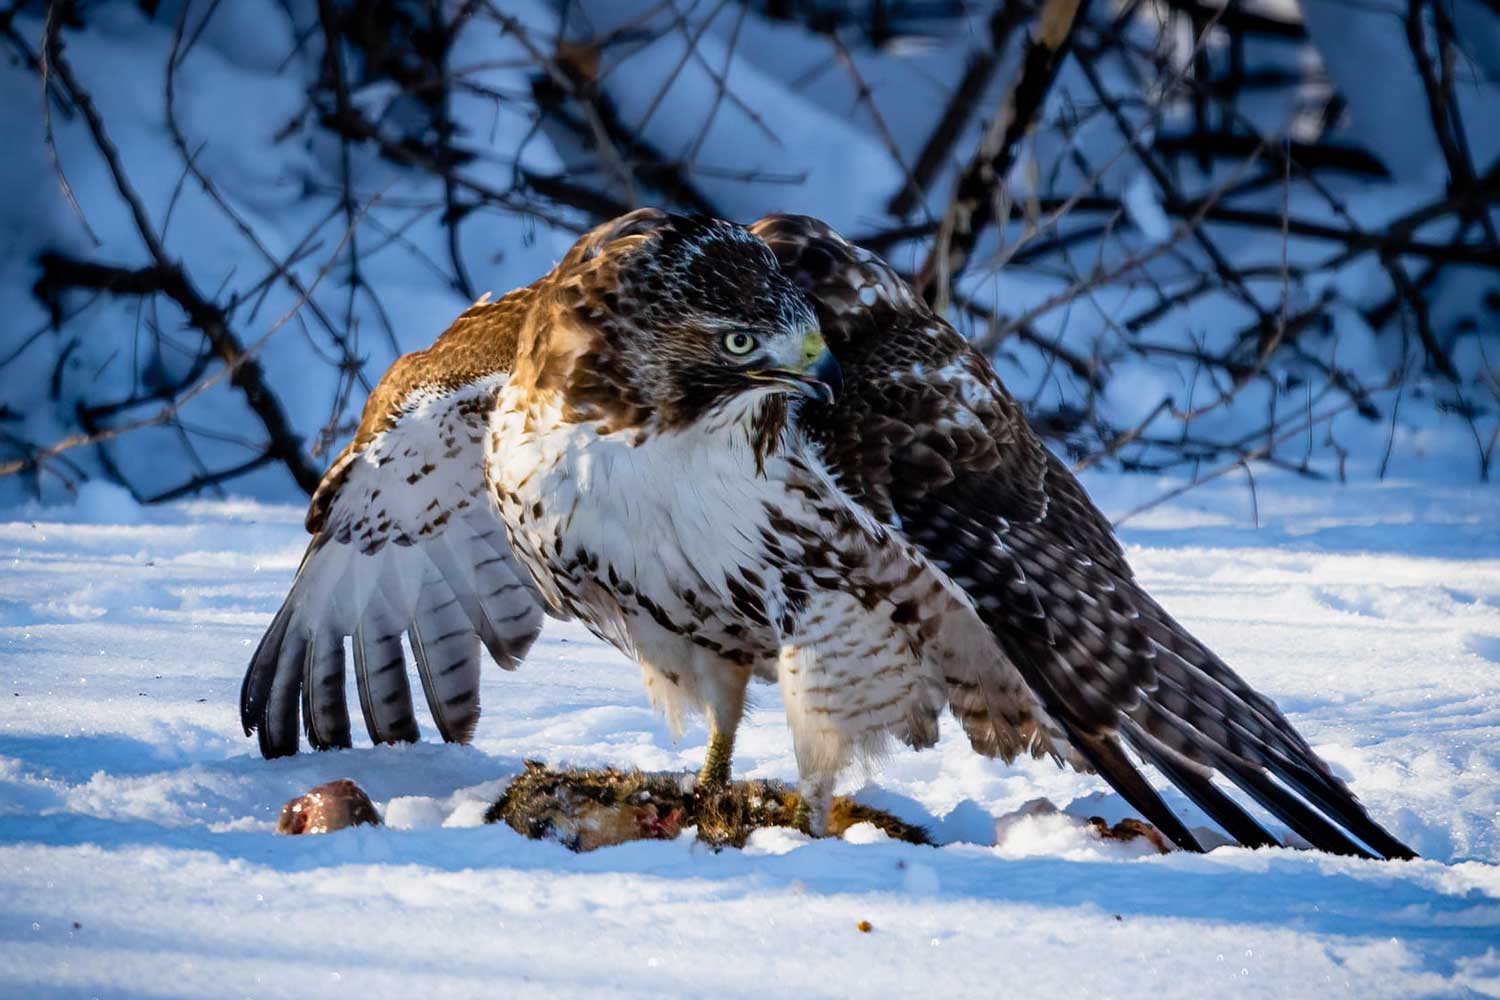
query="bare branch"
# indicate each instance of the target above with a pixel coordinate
(972, 206)
(245, 373)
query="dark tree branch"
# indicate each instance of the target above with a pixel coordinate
(210, 320)
(972, 207)
(959, 110)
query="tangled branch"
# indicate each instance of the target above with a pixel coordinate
(1168, 275)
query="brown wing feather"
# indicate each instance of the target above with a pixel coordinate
(480, 342)
(927, 437)
(406, 539)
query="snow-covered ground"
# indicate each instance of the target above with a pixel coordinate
(137, 859)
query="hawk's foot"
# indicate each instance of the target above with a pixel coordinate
(816, 795)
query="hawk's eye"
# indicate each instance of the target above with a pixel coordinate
(739, 343)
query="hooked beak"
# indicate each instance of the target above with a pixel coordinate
(819, 378)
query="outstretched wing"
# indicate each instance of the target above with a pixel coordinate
(406, 539)
(926, 436)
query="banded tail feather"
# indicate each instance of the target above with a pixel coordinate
(446, 648)
(380, 675)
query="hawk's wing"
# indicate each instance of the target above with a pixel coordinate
(406, 538)
(927, 437)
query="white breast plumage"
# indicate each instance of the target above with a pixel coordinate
(663, 512)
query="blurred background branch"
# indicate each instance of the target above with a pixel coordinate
(1192, 234)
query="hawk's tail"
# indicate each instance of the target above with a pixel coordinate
(1206, 715)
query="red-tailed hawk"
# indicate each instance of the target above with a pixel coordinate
(652, 478)
(671, 473)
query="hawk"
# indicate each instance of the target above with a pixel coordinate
(648, 466)
(671, 467)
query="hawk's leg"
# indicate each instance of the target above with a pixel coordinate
(816, 792)
(714, 775)
(820, 742)
(723, 691)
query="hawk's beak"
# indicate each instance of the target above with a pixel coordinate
(819, 378)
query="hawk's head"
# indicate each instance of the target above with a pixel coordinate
(673, 317)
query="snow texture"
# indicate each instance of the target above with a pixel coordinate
(137, 859)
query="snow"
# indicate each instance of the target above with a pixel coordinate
(1145, 209)
(137, 859)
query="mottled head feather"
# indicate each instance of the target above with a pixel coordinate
(648, 299)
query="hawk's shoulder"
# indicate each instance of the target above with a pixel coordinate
(479, 346)
(922, 414)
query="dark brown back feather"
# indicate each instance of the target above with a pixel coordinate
(927, 437)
